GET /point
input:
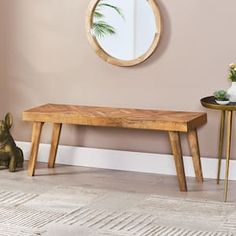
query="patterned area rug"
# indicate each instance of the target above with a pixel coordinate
(85, 211)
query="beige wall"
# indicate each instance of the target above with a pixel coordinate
(48, 59)
(2, 49)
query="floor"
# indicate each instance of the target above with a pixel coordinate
(113, 180)
(70, 200)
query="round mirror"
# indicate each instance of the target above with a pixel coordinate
(124, 32)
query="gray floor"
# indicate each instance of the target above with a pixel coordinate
(69, 200)
(112, 180)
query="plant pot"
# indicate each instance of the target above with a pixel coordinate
(232, 92)
(222, 102)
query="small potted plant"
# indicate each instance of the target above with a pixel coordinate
(232, 76)
(221, 97)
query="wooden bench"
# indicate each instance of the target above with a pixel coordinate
(172, 121)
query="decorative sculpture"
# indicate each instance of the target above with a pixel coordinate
(11, 156)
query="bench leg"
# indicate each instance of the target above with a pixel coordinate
(194, 149)
(36, 133)
(179, 164)
(54, 144)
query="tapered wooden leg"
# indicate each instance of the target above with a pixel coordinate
(36, 133)
(221, 143)
(179, 164)
(54, 144)
(194, 149)
(228, 148)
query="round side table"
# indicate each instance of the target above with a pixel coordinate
(209, 102)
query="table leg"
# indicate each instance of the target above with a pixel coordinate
(194, 148)
(54, 144)
(228, 147)
(221, 143)
(178, 157)
(36, 133)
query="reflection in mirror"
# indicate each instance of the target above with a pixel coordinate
(124, 30)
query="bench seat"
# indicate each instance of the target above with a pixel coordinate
(171, 121)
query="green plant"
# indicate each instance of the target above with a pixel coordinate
(232, 72)
(221, 95)
(100, 27)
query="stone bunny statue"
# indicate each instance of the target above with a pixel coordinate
(11, 156)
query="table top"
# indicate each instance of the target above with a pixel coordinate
(209, 102)
(116, 117)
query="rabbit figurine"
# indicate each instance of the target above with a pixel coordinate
(11, 156)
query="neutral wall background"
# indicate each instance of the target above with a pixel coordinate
(46, 59)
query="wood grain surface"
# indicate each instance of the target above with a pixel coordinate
(35, 140)
(178, 157)
(116, 117)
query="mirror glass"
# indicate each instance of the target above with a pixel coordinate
(126, 30)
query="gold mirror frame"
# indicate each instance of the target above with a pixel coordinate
(115, 61)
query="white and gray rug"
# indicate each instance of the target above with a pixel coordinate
(77, 211)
